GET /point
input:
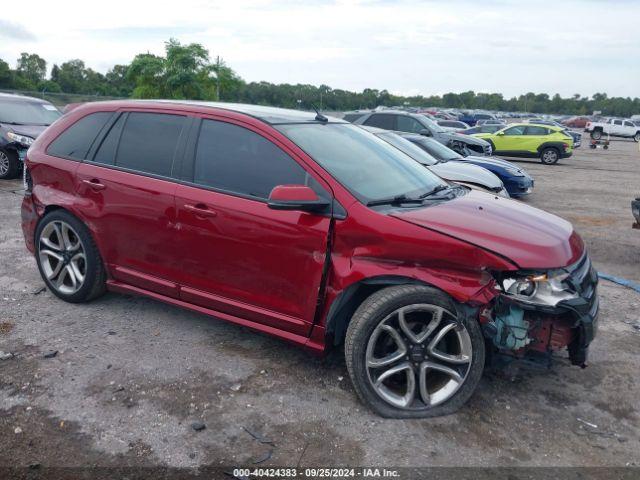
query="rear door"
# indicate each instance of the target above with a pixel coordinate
(534, 136)
(239, 256)
(127, 183)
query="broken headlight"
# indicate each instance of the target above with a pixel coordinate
(548, 288)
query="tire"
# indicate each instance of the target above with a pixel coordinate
(64, 245)
(636, 137)
(368, 330)
(9, 164)
(549, 156)
(596, 134)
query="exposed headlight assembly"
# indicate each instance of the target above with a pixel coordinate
(547, 289)
(22, 139)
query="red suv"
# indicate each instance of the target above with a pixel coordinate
(312, 230)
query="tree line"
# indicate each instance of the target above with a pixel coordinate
(189, 72)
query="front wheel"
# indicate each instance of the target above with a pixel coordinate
(68, 258)
(410, 356)
(549, 156)
(636, 137)
(8, 165)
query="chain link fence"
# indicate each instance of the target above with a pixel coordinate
(60, 99)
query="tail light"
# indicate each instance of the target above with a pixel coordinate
(565, 146)
(27, 182)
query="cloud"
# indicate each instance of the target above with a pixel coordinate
(15, 31)
(426, 47)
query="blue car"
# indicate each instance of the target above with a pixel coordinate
(517, 182)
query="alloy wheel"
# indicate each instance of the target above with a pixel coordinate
(418, 356)
(62, 257)
(550, 156)
(4, 164)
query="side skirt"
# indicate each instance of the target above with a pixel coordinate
(299, 340)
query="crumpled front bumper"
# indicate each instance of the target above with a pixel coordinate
(570, 323)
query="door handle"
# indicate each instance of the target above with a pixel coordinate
(201, 209)
(94, 184)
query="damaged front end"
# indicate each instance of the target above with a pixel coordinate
(540, 312)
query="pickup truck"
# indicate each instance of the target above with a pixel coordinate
(614, 127)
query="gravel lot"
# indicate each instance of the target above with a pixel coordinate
(132, 374)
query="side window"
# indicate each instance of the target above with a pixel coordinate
(536, 131)
(76, 140)
(617, 122)
(148, 142)
(408, 124)
(235, 159)
(628, 124)
(381, 120)
(106, 153)
(519, 130)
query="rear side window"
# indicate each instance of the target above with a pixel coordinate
(536, 131)
(235, 159)
(381, 120)
(106, 154)
(76, 140)
(148, 142)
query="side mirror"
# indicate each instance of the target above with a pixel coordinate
(500, 133)
(296, 197)
(425, 132)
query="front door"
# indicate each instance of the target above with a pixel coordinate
(239, 256)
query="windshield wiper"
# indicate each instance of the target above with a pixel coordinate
(12, 123)
(437, 189)
(397, 200)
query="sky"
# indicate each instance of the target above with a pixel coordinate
(407, 47)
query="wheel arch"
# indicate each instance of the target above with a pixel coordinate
(348, 300)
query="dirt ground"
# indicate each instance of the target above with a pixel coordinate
(132, 374)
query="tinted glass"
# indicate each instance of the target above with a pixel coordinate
(519, 130)
(381, 120)
(617, 122)
(536, 131)
(148, 142)
(435, 148)
(76, 140)
(408, 124)
(409, 148)
(106, 154)
(238, 160)
(366, 165)
(23, 112)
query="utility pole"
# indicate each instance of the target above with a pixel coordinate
(218, 77)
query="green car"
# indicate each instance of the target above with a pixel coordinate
(546, 142)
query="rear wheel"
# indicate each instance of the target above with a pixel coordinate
(549, 156)
(9, 165)
(68, 259)
(636, 137)
(596, 134)
(410, 356)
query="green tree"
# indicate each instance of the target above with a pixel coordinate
(31, 67)
(6, 75)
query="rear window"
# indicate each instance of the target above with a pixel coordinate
(76, 140)
(148, 142)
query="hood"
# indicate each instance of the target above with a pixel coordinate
(468, 139)
(29, 130)
(458, 171)
(530, 238)
(498, 162)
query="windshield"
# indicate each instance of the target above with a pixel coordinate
(367, 166)
(436, 149)
(433, 126)
(409, 148)
(27, 113)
